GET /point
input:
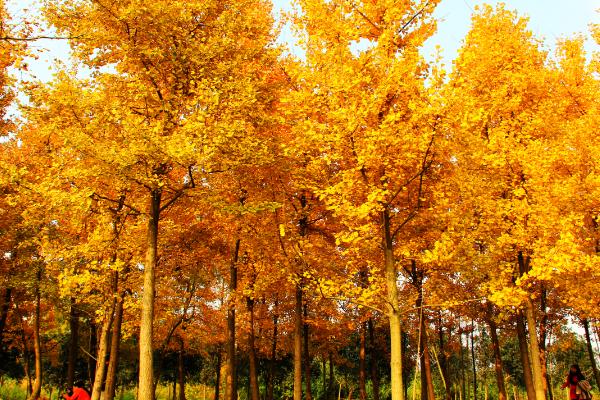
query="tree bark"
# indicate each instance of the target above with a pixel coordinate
(254, 391)
(443, 360)
(102, 353)
(543, 338)
(374, 357)
(362, 367)
(395, 322)
(590, 350)
(218, 376)
(498, 365)
(330, 386)
(271, 376)
(534, 348)
(306, 356)
(538, 378)
(37, 345)
(463, 379)
(92, 351)
(73, 344)
(146, 372)
(113, 361)
(181, 370)
(298, 344)
(473, 360)
(427, 391)
(4, 310)
(231, 378)
(26, 360)
(524, 353)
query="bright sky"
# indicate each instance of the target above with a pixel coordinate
(549, 19)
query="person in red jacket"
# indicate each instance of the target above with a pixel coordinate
(79, 393)
(574, 376)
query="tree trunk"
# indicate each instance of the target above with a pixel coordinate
(543, 338)
(397, 386)
(362, 362)
(463, 379)
(4, 310)
(298, 344)
(146, 372)
(37, 345)
(588, 340)
(524, 353)
(330, 387)
(443, 360)
(374, 357)
(92, 351)
(254, 391)
(538, 378)
(427, 390)
(473, 360)
(534, 348)
(498, 367)
(26, 362)
(73, 344)
(173, 392)
(271, 376)
(102, 353)
(306, 354)
(218, 376)
(231, 378)
(113, 361)
(181, 370)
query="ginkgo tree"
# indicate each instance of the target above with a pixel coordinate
(172, 95)
(361, 109)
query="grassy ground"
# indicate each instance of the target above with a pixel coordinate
(12, 390)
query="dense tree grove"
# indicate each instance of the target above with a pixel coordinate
(187, 207)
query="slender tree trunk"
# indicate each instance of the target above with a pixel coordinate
(26, 364)
(443, 360)
(102, 353)
(37, 345)
(92, 351)
(271, 380)
(113, 361)
(534, 348)
(374, 355)
(298, 344)
(146, 371)
(330, 387)
(498, 367)
(473, 360)
(538, 378)
(306, 354)
(427, 390)
(590, 350)
(524, 353)
(463, 379)
(73, 344)
(254, 391)
(218, 376)
(231, 378)
(543, 338)
(362, 362)
(181, 370)
(4, 310)
(397, 386)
